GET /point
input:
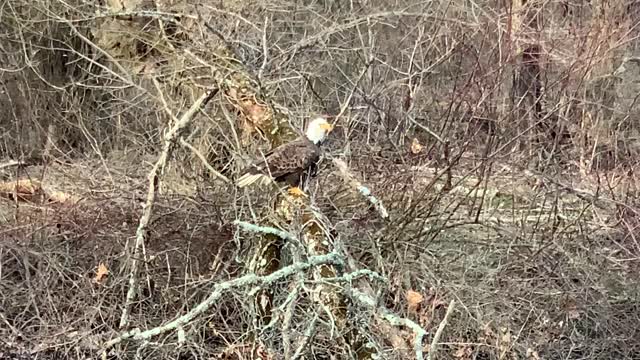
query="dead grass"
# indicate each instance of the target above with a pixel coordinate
(50, 254)
(534, 271)
(539, 248)
(541, 272)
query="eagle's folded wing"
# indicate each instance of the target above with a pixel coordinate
(284, 160)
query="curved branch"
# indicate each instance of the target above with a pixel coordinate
(221, 288)
(170, 140)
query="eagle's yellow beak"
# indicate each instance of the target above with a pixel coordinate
(326, 126)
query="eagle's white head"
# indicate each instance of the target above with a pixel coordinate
(318, 129)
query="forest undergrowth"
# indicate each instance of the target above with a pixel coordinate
(477, 198)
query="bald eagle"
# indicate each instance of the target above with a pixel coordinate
(287, 162)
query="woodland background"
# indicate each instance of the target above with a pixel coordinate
(501, 137)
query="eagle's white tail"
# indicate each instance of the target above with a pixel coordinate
(249, 179)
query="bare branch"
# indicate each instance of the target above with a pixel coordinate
(11, 163)
(264, 230)
(265, 51)
(365, 191)
(204, 161)
(308, 335)
(154, 181)
(392, 318)
(221, 288)
(436, 337)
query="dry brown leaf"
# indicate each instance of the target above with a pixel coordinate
(532, 354)
(232, 93)
(416, 147)
(463, 352)
(487, 335)
(505, 340)
(61, 197)
(264, 353)
(24, 189)
(425, 317)
(101, 273)
(21, 186)
(414, 299)
(573, 314)
(32, 191)
(115, 5)
(571, 307)
(257, 114)
(400, 340)
(254, 116)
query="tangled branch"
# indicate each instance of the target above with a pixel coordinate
(393, 319)
(221, 288)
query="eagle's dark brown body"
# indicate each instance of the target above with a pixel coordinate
(286, 163)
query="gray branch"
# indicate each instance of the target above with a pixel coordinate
(264, 230)
(249, 280)
(392, 318)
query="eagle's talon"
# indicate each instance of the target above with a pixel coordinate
(296, 192)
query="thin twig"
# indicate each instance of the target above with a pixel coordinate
(423, 127)
(287, 317)
(365, 191)
(183, 142)
(16, 331)
(228, 43)
(159, 15)
(154, 181)
(392, 318)
(345, 106)
(306, 339)
(436, 337)
(165, 105)
(265, 51)
(10, 163)
(315, 38)
(204, 161)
